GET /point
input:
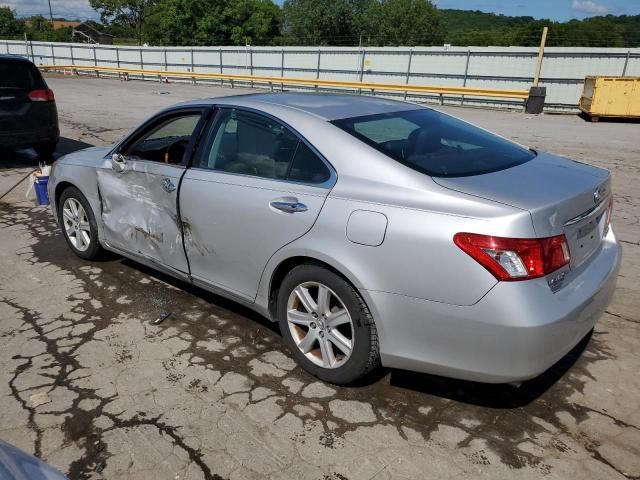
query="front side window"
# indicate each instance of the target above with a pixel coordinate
(250, 144)
(166, 142)
(436, 144)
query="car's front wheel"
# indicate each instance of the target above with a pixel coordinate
(327, 325)
(78, 224)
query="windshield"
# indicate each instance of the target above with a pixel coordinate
(435, 144)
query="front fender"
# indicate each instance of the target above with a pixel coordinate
(84, 178)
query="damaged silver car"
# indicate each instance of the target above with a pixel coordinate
(374, 231)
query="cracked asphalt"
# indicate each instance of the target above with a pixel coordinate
(90, 385)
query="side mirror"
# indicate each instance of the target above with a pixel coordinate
(118, 163)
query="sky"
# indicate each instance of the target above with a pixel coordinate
(560, 10)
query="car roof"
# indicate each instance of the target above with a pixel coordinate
(14, 58)
(327, 106)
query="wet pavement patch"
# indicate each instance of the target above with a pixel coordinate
(213, 392)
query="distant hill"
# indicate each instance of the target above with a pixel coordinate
(473, 27)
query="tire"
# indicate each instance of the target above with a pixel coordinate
(327, 324)
(46, 150)
(76, 239)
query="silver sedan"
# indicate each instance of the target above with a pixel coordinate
(375, 232)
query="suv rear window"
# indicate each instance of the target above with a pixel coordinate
(436, 144)
(20, 75)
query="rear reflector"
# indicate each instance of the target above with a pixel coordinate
(41, 95)
(510, 259)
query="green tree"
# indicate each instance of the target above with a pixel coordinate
(132, 13)
(252, 21)
(402, 22)
(211, 22)
(329, 22)
(10, 26)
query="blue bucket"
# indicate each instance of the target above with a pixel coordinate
(41, 190)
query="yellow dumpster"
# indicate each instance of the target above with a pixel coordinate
(611, 97)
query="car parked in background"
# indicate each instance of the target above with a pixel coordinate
(28, 114)
(374, 231)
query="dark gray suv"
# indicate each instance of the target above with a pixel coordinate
(28, 114)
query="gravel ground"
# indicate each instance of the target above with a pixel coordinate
(90, 385)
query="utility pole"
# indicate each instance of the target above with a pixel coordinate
(543, 42)
(50, 13)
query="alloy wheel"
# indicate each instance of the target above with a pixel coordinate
(76, 224)
(320, 324)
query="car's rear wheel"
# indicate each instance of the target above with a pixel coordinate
(45, 150)
(78, 224)
(327, 325)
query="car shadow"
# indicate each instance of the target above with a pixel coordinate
(499, 396)
(28, 158)
(201, 293)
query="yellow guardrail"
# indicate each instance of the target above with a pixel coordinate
(314, 82)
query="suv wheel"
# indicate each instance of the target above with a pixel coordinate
(327, 325)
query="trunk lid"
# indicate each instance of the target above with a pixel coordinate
(562, 195)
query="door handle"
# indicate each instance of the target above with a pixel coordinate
(289, 207)
(167, 185)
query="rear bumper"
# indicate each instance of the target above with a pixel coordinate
(515, 332)
(29, 138)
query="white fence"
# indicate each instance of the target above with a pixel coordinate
(563, 69)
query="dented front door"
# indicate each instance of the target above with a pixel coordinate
(139, 210)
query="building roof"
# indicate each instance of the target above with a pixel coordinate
(58, 24)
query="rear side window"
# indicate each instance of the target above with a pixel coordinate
(247, 143)
(19, 75)
(307, 167)
(436, 144)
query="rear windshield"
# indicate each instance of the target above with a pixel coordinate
(19, 75)
(435, 144)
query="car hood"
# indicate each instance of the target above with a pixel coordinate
(91, 156)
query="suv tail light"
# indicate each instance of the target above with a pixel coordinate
(41, 95)
(511, 259)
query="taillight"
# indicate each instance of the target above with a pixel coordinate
(45, 95)
(510, 259)
(607, 220)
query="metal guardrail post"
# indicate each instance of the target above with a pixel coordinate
(406, 80)
(251, 63)
(141, 61)
(282, 68)
(53, 54)
(95, 62)
(33, 57)
(626, 62)
(466, 73)
(71, 52)
(318, 66)
(118, 61)
(221, 80)
(361, 69)
(193, 69)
